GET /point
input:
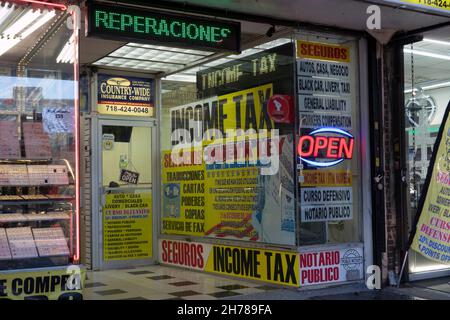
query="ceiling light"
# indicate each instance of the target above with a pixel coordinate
(427, 54)
(67, 53)
(445, 43)
(5, 12)
(181, 77)
(23, 22)
(432, 86)
(28, 27)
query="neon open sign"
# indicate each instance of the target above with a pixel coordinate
(129, 24)
(330, 149)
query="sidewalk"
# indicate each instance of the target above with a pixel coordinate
(168, 283)
(436, 289)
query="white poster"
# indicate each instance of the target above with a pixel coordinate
(329, 266)
(57, 120)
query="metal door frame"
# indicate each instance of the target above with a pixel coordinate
(97, 192)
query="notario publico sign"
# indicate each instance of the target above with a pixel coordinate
(326, 147)
(149, 26)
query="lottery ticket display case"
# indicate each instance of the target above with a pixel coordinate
(37, 213)
(39, 153)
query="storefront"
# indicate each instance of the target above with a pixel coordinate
(426, 96)
(248, 162)
(39, 158)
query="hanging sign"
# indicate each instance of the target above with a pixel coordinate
(128, 24)
(125, 96)
(129, 176)
(432, 234)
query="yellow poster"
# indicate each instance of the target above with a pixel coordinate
(232, 203)
(246, 109)
(326, 178)
(428, 4)
(213, 189)
(279, 267)
(322, 51)
(183, 205)
(432, 237)
(127, 226)
(54, 284)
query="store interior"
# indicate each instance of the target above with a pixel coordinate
(427, 71)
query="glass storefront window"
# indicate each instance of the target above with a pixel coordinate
(231, 193)
(38, 138)
(330, 190)
(305, 87)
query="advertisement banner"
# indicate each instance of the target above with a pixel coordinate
(329, 266)
(183, 197)
(322, 51)
(214, 187)
(55, 284)
(127, 226)
(269, 66)
(277, 267)
(432, 225)
(326, 142)
(128, 96)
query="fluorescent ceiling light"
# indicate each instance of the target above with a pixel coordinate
(28, 28)
(23, 22)
(432, 86)
(151, 58)
(181, 77)
(5, 12)
(427, 54)
(67, 53)
(445, 43)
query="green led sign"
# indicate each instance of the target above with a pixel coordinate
(129, 24)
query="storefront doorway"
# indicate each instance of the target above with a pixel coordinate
(124, 193)
(426, 96)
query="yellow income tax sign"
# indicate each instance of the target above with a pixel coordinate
(435, 5)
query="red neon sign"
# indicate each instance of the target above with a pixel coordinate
(335, 148)
(44, 3)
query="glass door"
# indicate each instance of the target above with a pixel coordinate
(125, 189)
(427, 93)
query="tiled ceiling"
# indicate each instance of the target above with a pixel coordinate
(152, 58)
(429, 61)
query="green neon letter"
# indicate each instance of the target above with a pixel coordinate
(151, 23)
(125, 21)
(139, 22)
(205, 33)
(215, 34)
(225, 32)
(192, 31)
(163, 28)
(172, 27)
(103, 17)
(114, 20)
